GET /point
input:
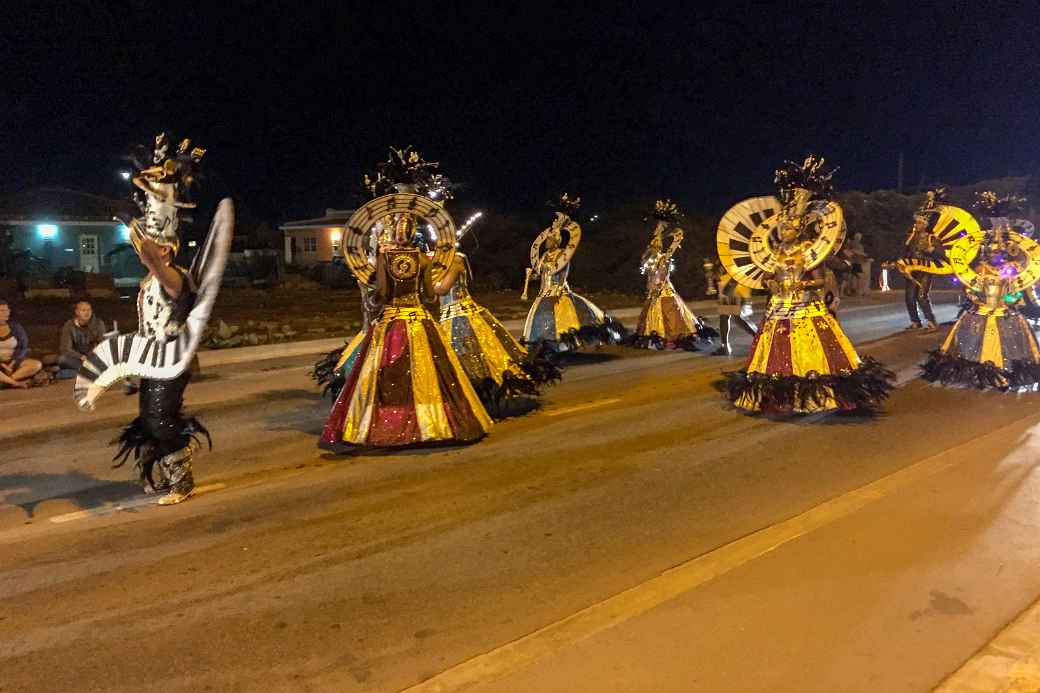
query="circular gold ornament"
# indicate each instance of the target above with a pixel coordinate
(357, 246)
(964, 251)
(403, 265)
(745, 243)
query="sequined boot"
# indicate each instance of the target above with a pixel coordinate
(176, 471)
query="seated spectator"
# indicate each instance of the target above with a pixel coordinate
(79, 336)
(15, 369)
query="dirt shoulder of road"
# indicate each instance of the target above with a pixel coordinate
(273, 315)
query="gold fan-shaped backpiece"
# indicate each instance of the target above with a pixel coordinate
(357, 246)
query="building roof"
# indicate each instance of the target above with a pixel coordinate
(332, 218)
(62, 205)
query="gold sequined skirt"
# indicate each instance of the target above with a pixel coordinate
(406, 387)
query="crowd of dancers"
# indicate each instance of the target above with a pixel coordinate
(430, 365)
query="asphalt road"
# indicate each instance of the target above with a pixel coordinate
(634, 534)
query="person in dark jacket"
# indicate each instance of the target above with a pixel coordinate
(16, 369)
(79, 336)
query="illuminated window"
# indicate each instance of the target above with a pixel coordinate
(310, 244)
(47, 230)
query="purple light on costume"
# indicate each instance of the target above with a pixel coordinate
(1008, 271)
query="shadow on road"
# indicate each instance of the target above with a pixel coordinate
(26, 491)
(581, 358)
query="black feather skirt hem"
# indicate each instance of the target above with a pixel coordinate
(609, 331)
(136, 441)
(955, 371)
(535, 372)
(860, 390)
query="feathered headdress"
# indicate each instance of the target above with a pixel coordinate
(932, 199)
(998, 207)
(665, 210)
(406, 167)
(179, 168)
(163, 188)
(566, 204)
(811, 175)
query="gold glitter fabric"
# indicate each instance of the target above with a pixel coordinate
(666, 314)
(406, 385)
(557, 310)
(990, 347)
(483, 345)
(802, 340)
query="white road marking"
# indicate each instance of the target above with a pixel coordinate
(581, 407)
(676, 581)
(125, 505)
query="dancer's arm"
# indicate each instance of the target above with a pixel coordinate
(159, 261)
(448, 279)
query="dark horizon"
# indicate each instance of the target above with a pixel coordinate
(520, 104)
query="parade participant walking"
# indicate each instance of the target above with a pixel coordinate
(801, 360)
(406, 386)
(560, 318)
(173, 307)
(991, 346)
(665, 320)
(923, 259)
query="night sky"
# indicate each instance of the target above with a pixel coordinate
(652, 98)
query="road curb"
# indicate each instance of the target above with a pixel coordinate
(1009, 662)
(246, 354)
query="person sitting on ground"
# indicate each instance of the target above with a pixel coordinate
(79, 336)
(15, 369)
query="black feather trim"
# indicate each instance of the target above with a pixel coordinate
(325, 373)
(688, 342)
(610, 331)
(137, 441)
(651, 341)
(707, 332)
(950, 370)
(536, 371)
(862, 389)
(539, 367)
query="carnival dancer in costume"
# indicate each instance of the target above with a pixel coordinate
(560, 318)
(923, 259)
(666, 320)
(173, 307)
(406, 386)
(499, 367)
(801, 361)
(991, 346)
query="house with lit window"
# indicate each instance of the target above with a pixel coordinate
(311, 241)
(66, 228)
